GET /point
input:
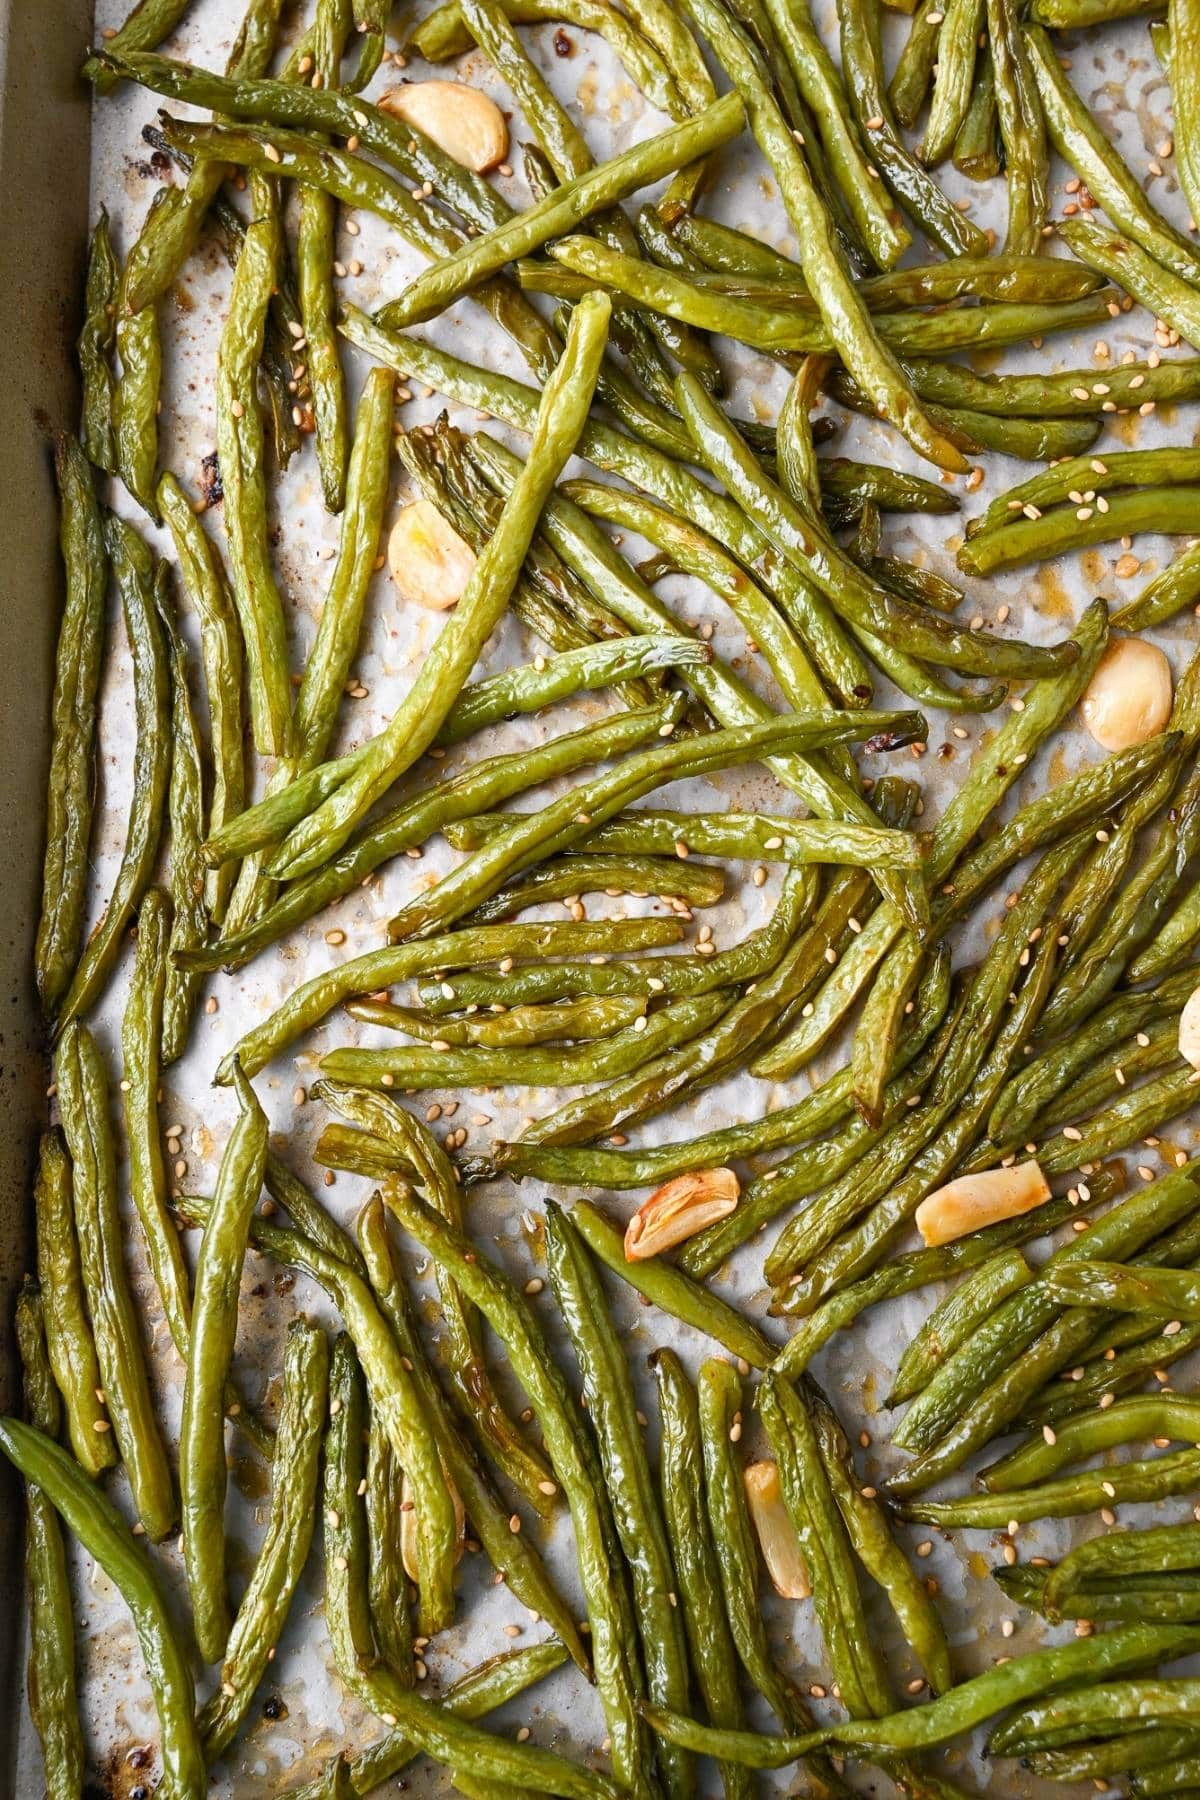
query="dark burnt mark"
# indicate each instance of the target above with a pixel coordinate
(563, 45)
(210, 479)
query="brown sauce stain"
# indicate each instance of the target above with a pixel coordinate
(1050, 596)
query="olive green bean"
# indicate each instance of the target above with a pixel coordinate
(953, 77)
(1141, 276)
(69, 1342)
(291, 1517)
(51, 1681)
(1022, 128)
(135, 406)
(952, 1323)
(84, 1110)
(94, 348)
(70, 788)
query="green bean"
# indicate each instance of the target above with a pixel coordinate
(1156, 1552)
(607, 1599)
(135, 404)
(521, 1025)
(876, 1548)
(416, 1066)
(1066, 15)
(951, 1324)
(1127, 469)
(826, 1551)
(70, 790)
(69, 1341)
(423, 1161)
(347, 1611)
(1143, 1415)
(141, 1033)
(725, 248)
(848, 590)
(697, 1569)
(977, 142)
(431, 809)
(1171, 1293)
(1172, 511)
(953, 77)
(1022, 128)
(833, 1000)
(388, 1587)
(1138, 1111)
(1107, 1706)
(1068, 394)
(315, 247)
(494, 1682)
(877, 1034)
(94, 348)
(769, 837)
(1146, 280)
(609, 1397)
(720, 1396)
(850, 326)
(221, 653)
(240, 450)
(1167, 593)
(309, 1216)
(995, 769)
(1172, 940)
(673, 1291)
(210, 1350)
(83, 1106)
(698, 884)
(915, 191)
(53, 1701)
(146, 25)
(394, 1395)
(309, 1003)
(292, 1514)
(512, 1554)
(104, 1534)
(515, 692)
(914, 70)
(1132, 1750)
(185, 815)
(918, 1268)
(416, 723)
(1126, 1369)
(1181, 1775)
(1066, 1497)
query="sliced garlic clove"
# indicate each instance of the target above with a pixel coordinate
(1128, 698)
(408, 1528)
(430, 564)
(464, 123)
(974, 1201)
(678, 1210)
(1189, 1030)
(776, 1534)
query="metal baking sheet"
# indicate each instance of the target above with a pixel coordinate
(1121, 80)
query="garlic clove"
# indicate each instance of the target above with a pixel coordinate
(973, 1201)
(1129, 697)
(1189, 1029)
(776, 1534)
(429, 563)
(466, 124)
(678, 1210)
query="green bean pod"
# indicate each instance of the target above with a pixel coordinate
(135, 578)
(69, 1342)
(291, 1516)
(83, 1106)
(94, 348)
(1022, 128)
(51, 1679)
(221, 654)
(202, 1473)
(104, 1534)
(135, 406)
(953, 77)
(185, 817)
(240, 450)
(70, 789)
(953, 1322)
(1141, 276)
(316, 242)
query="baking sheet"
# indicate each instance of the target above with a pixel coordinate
(1122, 82)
